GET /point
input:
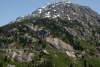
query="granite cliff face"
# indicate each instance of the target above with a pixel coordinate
(57, 29)
(62, 46)
(59, 44)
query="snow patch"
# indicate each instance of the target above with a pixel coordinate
(68, 2)
(54, 10)
(55, 2)
(39, 10)
(68, 5)
(68, 17)
(45, 6)
(47, 14)
(74, 13)
(58, 15)
(53, 6)
(55, 16)
(62, 11)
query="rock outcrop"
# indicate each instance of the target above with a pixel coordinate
(45, 52)
(21, 56)
(39, 31)
(60, 45)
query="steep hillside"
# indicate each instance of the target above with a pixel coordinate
(60, 34)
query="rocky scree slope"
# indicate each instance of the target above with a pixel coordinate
(57, 27)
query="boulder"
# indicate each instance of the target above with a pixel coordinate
(45, 52)
(9, 65)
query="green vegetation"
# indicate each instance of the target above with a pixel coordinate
(15, 33)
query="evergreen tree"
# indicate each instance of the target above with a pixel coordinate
(1, 65)
(5, 59)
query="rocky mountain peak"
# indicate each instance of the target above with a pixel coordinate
(45, 10)
(61, 9)
(55, 33)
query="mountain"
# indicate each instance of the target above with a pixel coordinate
(60, 34)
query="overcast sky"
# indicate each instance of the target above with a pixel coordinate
(11, 9)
